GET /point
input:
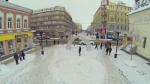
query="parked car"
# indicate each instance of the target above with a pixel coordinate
(82, 43)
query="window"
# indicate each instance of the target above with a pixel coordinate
(0, 22)
(144, 42)
(25, 23)
(9, 23)
(18, 23)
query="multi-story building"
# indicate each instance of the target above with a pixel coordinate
(139, 27)
(54, 21)
(15, 32)
(78, 28)
(115, 16)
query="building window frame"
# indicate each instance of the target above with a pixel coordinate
(18, 23)
(144, 42)
(10, 23)
(25, 23)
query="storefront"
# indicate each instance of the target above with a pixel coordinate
(10, 43)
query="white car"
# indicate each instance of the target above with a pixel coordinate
(82, 43)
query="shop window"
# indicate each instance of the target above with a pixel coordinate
(10, 46)
(0, 22)
(144, 42)
(1, 49)
(25, 23)
(18, 23)
(10, 23)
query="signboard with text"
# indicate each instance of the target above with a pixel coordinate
(141, 3)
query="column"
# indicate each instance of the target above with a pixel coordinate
(6, 49)
(14, 19)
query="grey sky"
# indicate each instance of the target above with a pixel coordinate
(82, 11)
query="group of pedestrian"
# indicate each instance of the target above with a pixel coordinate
(19, 56)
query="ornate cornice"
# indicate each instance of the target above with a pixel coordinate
(14, 6)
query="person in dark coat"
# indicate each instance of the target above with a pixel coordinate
(110, 49)
(79, 50)
(54, 42)
(107, 50)
(20, 56)
(23, 55)
(16, 57)
(101, 46)
(96, 46)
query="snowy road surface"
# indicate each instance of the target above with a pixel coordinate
(60, 65)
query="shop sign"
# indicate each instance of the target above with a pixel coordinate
(142, 3)
(25, 35)
(18, 36)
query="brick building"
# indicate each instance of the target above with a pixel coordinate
(15, 32)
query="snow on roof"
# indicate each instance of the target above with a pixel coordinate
(139, 9)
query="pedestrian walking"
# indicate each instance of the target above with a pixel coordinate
(79, 50)
(101, 45)
(54, 42)
(96, 46)
(23, 55)
(107, 50)
(16, 57)
(20, 56)
(110, 49)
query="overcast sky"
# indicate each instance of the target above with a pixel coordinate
(82, 11)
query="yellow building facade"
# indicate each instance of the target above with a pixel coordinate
(140, 30)
(115, 16)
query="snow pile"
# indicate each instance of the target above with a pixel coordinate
(70, 68)
(3, 70)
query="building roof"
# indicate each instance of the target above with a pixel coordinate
(14, 6)
(49, 9)
(139, 10)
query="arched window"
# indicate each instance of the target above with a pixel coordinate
(25, 22)
(18, 23)
(9, 20)
(10, 23)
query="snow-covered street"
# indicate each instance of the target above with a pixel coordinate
(60, 65)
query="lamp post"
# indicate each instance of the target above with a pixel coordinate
(40, 37)
(117, 39)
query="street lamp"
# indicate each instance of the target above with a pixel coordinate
(117, 39)
(40, 37)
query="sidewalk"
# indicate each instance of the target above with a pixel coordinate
(10, 57)
(136, 71)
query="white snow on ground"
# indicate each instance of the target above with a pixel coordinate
(136, 71)
(69, 68)
(7, 70)
(61, 65)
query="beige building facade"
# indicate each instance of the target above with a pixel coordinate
(55, 21)
(115, 16)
